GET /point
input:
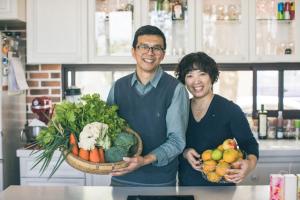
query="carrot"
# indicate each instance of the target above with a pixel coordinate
(84, 154)
(101, 155)
(94, 155)
(74, 144)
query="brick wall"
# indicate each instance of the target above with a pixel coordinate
(43, 80)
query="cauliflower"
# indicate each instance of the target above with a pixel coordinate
(92, 133)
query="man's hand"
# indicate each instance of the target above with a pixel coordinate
(134, 163)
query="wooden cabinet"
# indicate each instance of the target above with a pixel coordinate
(12, 10)
(57, 31)
(65, 175)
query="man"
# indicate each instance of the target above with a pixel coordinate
(156, 106)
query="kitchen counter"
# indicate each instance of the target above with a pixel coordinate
(279, 147)
(276, 156)
(121, 193)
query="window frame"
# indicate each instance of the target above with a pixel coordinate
(254, 67)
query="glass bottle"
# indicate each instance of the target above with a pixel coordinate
(297, 129)
(279, 128)
(262, 123)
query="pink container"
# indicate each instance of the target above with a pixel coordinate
(276, 187)
(298, 186)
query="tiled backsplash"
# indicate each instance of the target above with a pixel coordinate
(43, 80)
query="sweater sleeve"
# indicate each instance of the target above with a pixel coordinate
(241, 131)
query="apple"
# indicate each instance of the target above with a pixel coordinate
(217, 154)
(229, 144)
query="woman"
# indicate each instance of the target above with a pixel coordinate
(212, 120)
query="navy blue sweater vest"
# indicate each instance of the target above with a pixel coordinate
(146, 114)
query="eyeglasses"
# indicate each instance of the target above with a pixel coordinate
(144, 48)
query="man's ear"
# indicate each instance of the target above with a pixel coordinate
(133, 52)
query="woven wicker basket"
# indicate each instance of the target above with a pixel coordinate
(102, 168)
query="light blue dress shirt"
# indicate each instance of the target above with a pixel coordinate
(176, 118)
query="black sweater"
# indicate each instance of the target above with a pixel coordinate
(224, 119)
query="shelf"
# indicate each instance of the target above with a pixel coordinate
(284, 21)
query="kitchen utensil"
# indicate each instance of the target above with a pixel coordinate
(42, 107)
(30, 132)
(73, 94)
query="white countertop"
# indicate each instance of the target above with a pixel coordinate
(279, 147)
(121, 193)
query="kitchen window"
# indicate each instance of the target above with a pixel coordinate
(247, 84)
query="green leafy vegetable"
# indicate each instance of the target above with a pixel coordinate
(71, 118)
(125, 140)
(115, 154)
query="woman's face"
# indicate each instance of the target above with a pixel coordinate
(198, 83)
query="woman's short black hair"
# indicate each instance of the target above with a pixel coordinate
(148, 30)
(197, 61)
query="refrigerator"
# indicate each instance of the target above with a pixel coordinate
(12, 118)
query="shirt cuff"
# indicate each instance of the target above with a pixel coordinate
(161, 157)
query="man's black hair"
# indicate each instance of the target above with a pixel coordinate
(148, 30)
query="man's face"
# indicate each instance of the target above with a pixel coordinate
(148, 52)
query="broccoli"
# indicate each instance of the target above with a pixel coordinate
(115, 154)
(125, 140)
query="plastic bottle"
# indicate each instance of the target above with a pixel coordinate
(262, 123)
(279, 128)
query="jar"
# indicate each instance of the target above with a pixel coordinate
(73, 94)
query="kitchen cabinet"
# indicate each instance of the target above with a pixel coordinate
(101, 31)
(222, 29)
(274, 35)
(276, 157)
(112, 26)
(278, 165)
(57, 31)
(65, 175)
(97, 180)
(13, 10)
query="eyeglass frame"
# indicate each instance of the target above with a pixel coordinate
(155, 49)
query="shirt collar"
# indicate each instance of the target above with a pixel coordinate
(154, 81)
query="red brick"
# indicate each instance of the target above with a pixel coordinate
(51, 67)
(55, 75)
(33, 83)
(38, 75)
(5, 87)
(50, 83)
(29, 99)
(32, 68)
(39, 91)
(55, 99)
(55, 91)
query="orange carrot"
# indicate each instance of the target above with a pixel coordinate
(101, 155)
(74, 144)
(84, 154)
(94, 155)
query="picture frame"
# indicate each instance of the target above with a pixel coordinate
(177, 11)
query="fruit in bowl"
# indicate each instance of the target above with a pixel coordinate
(216, 162)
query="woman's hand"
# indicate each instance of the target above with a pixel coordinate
(242, 171)
(193, 158)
